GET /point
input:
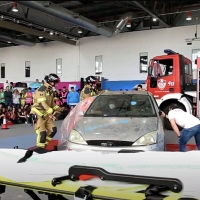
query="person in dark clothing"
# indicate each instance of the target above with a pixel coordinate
(22, 116)
(63, 113)
(8, 97)
(14, 117)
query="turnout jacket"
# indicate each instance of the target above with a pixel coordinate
(44, 101)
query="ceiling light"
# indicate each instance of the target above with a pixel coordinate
(128, 24)
(14, 8)
(80, 30)
(51, 33)
(154, 19)
(9, 42)
(40, 37)
(189, 17)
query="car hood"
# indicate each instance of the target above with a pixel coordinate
(123, 129)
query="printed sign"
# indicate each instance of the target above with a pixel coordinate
(170, 83)
(161, 84)
(72, 85)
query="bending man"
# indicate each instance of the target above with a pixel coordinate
(189, 123)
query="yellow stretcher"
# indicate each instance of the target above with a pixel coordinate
(53, 175)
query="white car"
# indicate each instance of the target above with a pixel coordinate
(133, 124)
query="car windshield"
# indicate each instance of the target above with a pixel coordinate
(123, 105)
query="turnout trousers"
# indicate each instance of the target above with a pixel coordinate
(45, 130)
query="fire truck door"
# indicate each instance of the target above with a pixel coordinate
(163, 71)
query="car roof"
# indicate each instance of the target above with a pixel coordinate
(141, 92)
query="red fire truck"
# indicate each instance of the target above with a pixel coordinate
(170, 79)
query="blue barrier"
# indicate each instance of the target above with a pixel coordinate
(117, 85)
(194, 80)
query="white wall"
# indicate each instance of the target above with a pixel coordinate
(120, 54)
(43, 61)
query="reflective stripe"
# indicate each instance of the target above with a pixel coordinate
(93, 93)
(48, 138)
(41, 99)
(49, 111)
(55, 107)
(37, 112)
(40, 145)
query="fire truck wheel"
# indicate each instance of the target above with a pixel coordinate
(167, 124)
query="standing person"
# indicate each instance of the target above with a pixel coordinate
(73, 98)
(29, 97)
(11, 86)
(2, 99)
(89, 89)
(44, 109)
(64, 94)
(189, 123)
(56, 98)
(16, 99)
(139, 87)
(22, 98)
(8, 97)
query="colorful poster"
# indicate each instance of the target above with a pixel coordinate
(72, 85)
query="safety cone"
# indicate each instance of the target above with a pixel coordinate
(4, 125)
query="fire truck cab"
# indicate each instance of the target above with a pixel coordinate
(170, 80)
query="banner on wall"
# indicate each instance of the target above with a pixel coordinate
(72, 85)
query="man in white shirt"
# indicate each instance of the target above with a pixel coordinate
(189, 123)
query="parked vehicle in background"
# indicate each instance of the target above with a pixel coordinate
(170, 80)
(115, 121)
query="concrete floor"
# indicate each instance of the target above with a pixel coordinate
(23, 136)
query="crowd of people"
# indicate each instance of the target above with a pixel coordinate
(16, 105)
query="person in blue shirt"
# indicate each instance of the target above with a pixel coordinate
(73, 98)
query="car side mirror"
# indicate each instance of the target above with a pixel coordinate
(149, 70)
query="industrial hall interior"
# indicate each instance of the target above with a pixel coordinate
(99, 100)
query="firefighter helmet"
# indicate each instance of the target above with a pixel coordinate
(52, 78)
(91, 79)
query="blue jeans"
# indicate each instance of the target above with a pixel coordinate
(187, 134)
(17, 106)
(8, 103)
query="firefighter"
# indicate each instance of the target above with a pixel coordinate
(89, 89)
(43, 111)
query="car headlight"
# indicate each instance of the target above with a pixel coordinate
(147, 139)
(76, 137)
